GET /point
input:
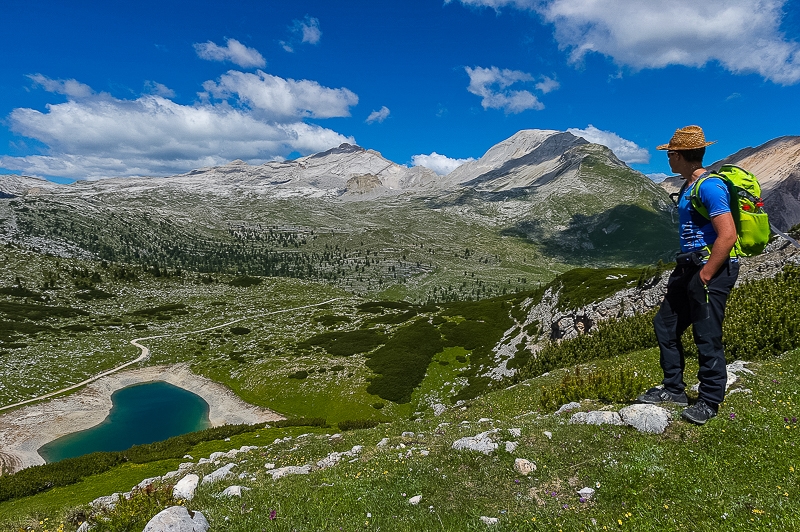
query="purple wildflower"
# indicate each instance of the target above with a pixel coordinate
(553, 494)
(516, 481)
(582, 499)
(794, 420)
(273, 515)
(786, 420)
(733, 416)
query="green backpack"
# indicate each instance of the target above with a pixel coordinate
(752, 224)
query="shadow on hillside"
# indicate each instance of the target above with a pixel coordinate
(625, 234)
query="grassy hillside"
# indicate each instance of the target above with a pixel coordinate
(737, 472)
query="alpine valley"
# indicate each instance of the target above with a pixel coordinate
(341, 289)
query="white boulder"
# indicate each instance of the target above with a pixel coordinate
(596, 417)
(185, 487)
(481, 443)
(524, 467)
(177, 519)
(646, 418)
(219, 474)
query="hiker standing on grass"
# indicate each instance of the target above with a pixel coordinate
(698, 288)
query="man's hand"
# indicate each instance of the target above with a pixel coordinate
(721, 250)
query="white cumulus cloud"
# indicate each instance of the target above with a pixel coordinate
(159, 89)
(100, 135)
(233, 51)
(744, 36)
(441, 164)
(492, 85)
(625, 150)
(70, 88)
(378, 116)
(303, 31)
(278, 98)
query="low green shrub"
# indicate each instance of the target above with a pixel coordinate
(299, 375)
(329, 320)
(356, 424)
(605, 386)
(239, 331)
(245, 281)
(402, 362)
(300, 422)
(346, 343)
(613, 337)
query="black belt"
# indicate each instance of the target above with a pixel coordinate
(693, 258)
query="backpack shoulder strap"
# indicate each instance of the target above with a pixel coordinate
(694, 196)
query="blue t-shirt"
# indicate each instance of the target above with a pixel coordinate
(696, 232)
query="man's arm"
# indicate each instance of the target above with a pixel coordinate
(721, 250)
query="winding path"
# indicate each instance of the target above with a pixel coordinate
(146, 352)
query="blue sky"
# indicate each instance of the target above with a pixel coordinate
(97, 89)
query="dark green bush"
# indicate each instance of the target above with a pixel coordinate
(346, 343)
(93, 293)
(245, 281)
(299, 375)
(300, 422)
(240, 330)
(605, 386)
(163, 309)
(328, 320)
(19, 291)
(612, 338)
(356, 424)
(377, 307)
(20, 311)
(401, 364)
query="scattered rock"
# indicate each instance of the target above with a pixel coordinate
(234, 491)
(185, 487)
(383, 443)
(481, 442)
(415, 500)
(188, 457)
(548, 434)
(290, 470)
(147, 482)
(646, 418)
(424, 452)
(524, 467)
(485, 420)
(596, 417)
(568, 407)
(511, 446)
(84, 527)
(109, 502)
(408, 435)
(586, 493)
(177, 519)
(439, 409)
(219, 474)
(489, 521)
(515, 432)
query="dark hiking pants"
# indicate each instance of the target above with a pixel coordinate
(689, 303)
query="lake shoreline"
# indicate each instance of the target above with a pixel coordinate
(23, 431)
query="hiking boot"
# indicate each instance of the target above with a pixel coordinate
(656, 396)
(699, 413)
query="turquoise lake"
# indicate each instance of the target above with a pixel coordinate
(143, 413)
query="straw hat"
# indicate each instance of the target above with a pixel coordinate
(687, 138)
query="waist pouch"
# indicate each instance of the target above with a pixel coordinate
(693, 258)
